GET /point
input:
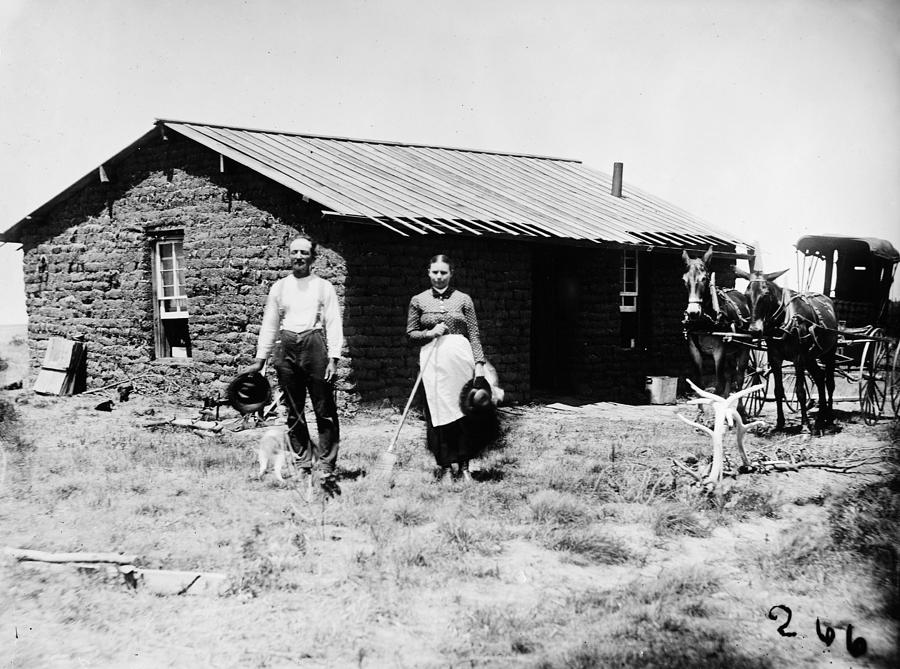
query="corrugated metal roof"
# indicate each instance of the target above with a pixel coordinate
(417, 189)
(421, 189)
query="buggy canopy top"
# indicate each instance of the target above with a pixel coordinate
(820, 245)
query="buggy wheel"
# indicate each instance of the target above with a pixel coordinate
(791, 401)
(873, 378)
(757, 373)
(895, 380)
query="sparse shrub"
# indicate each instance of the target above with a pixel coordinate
(67, 490)
(698, 609)
(802, 552)
(409, 512)
(586, 656)
(152, 510)
(671, 588)
(261, 572)
(589, 545)
(817, 499)
(567, 479)
(414, 552)
(677, 518)
(378, 523)
(629, 482)
(866, 517)
(10, 435)
(556, 508)
(660, 646)
(470, 536)
(522, 645)
(575, 448)
(602, 602)
(300, 542)
(863, 521)
(460, 534)
(494, 501)
(495, 622)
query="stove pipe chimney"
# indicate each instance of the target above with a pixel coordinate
(616, 190)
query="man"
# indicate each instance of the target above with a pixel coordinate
(299, 306)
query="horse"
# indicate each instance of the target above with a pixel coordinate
(711, 309)
(802, 328)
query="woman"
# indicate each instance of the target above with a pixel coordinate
(443, 320)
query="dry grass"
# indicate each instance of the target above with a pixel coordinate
(589, 546)
(674, 518)
(576, 547)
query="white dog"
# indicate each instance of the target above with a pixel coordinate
(274, 446)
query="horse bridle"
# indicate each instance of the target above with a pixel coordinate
(776, 315)
(721, 296)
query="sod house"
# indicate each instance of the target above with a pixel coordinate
(160, 260)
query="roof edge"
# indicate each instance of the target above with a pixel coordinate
(385, 142)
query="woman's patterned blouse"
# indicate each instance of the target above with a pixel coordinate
(453, 308)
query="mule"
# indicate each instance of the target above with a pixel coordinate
(802, 328)
(710, 311)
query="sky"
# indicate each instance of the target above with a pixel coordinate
(769, 119)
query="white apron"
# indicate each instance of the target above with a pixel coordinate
(449, 366)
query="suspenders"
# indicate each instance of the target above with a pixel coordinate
(320, 309)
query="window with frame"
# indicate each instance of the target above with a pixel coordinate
(170, 297)
(628, 299)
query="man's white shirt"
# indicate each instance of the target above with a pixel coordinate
(299, 305)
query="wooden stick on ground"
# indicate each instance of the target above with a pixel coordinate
(43, 556)
(687, 469)
(115, 383)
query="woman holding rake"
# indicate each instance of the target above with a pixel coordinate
(442, 319)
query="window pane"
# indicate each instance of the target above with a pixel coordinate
(173, 306)
(629, 271)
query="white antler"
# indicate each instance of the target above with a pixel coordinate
(697, 425)
(710, 397)
(725, 416)
(703, 393)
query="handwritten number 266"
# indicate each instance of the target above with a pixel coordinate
(856, 647)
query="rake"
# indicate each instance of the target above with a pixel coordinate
(386, 461)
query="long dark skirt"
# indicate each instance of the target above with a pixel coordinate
(460, 441)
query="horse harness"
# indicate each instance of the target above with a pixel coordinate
(709, 322)
(793, 327)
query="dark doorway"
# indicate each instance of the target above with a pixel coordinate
(556, 295)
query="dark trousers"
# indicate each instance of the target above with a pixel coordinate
(300, 361)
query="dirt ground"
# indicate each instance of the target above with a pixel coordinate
(578, 545)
